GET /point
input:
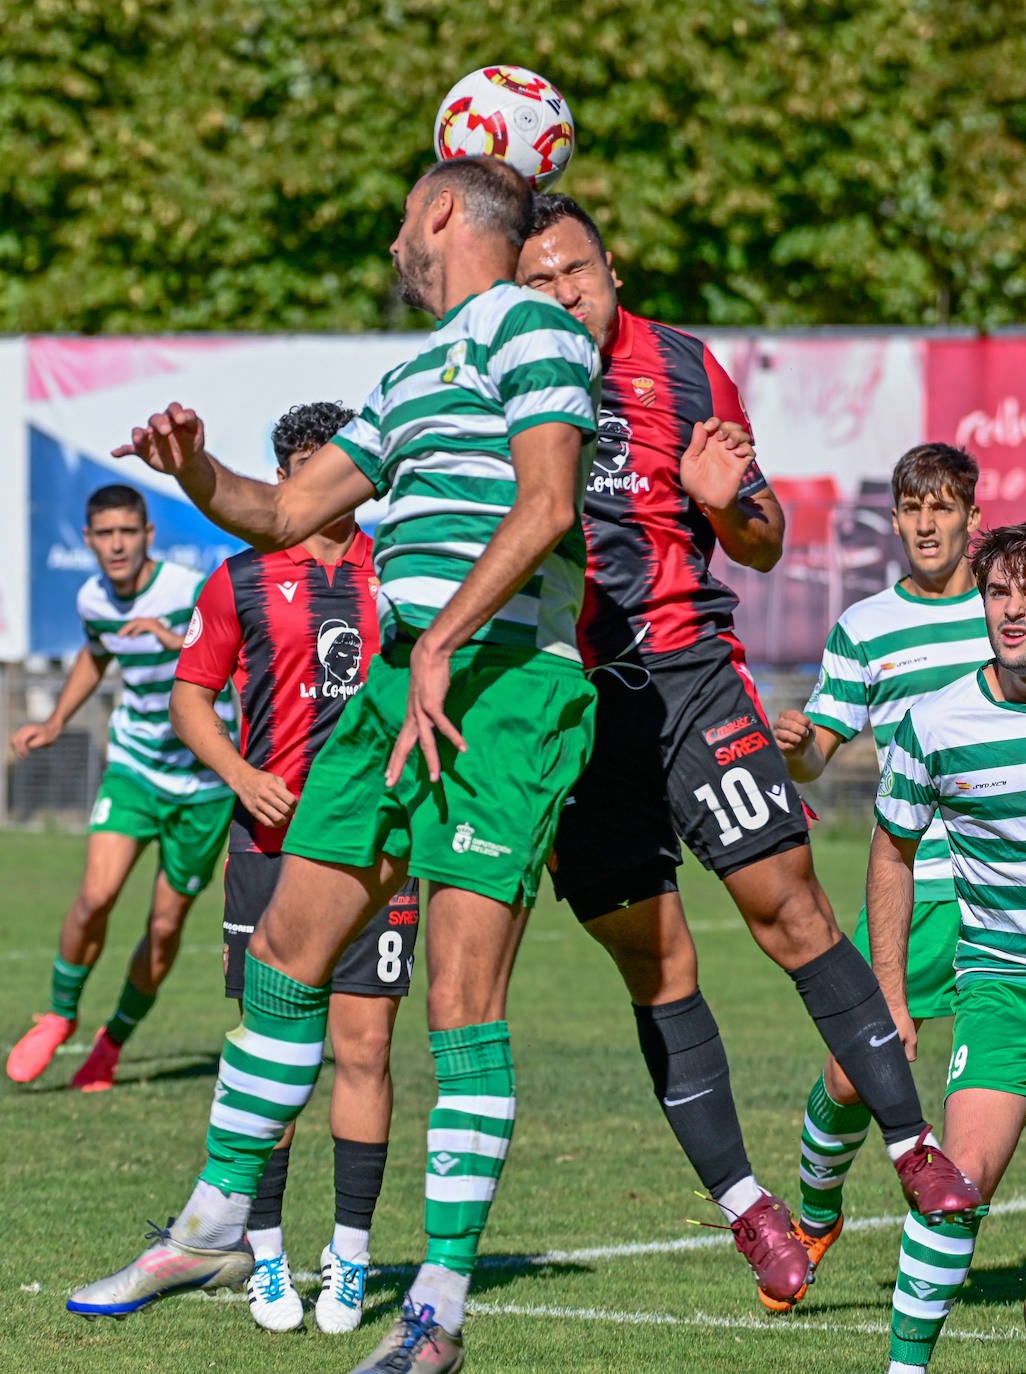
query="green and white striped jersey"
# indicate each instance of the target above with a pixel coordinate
(962, 754)
(435, 434)
(141, 741)
(883, 655)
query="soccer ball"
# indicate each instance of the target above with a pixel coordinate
(512, 113)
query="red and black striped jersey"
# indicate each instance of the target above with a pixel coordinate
(648, 588)
(296, 637)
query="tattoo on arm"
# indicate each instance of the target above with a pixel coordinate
(222, 729)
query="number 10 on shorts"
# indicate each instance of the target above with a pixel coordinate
(741, 807)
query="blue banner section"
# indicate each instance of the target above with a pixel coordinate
(60, 482)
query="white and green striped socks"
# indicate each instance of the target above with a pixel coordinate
(468, 1137)
(268, 1070)
(831, 1138)
(932, 1267)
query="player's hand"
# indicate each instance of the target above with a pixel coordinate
(171, 441)
(793, 732)
(715, 462)
(425, 713)
(28, 738)
(150, 625)
(267, 798)
(906, 1030)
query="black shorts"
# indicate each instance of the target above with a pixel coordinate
(683, 751)
(378, 962)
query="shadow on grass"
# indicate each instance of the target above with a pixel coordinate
(161, 1071)
(1003, 1284)
(138, 1071)
(388, 1282)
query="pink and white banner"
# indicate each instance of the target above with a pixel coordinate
(831, 415)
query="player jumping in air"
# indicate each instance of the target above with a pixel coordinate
(683, 751)
(883, 655)
(960, 753)
(295, 632)
(134, 611)
(481, 444)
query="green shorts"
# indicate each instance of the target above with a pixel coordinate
(190, 835)
(932, 938)
(488, 824)
(988, 1040)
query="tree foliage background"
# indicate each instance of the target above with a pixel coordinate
(241, 164)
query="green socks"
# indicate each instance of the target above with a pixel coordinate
(66, 984)
(932, 1267)
(132, 1006)
(268, 1070)
(468, 1136)
(831, 1138)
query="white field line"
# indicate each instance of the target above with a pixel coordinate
(765, 1323)
(754, 1322)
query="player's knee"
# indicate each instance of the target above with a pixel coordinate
(363, 1056)
(92, 906)
(165, 933)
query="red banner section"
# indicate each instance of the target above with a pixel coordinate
(976, 397)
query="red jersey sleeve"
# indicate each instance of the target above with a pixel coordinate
(728, 405)
(214, 637)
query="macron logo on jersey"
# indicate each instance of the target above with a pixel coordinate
(288, 590)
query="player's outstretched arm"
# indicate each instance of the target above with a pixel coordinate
(807, 748)
(85, 676)
(889, 898)
(197, 724)
(269, 517)
(750, 529)
(546, 460)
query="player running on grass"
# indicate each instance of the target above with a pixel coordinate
(295, 631)
(683, 750)
(134, 610)
(960, 753)
(480, 442)
(883, 655)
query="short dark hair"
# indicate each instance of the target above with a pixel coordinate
(928, 468)
(118, 496)
(1006, 545)
(550, 209)
(306, 428)
(495, 196)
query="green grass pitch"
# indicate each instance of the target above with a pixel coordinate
(590, 1261)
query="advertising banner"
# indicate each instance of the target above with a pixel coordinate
(831, 415)
(976, 397)
(86, 395)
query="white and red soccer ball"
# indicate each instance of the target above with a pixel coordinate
(512, 113)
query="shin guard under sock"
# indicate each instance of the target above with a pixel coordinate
(688, 1066)
(842, 996)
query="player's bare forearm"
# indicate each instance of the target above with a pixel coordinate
(269, 517)
(751, 531)
(82, 681)
(197, 724)
(889, 897)
(85, 676)
(142, 625)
